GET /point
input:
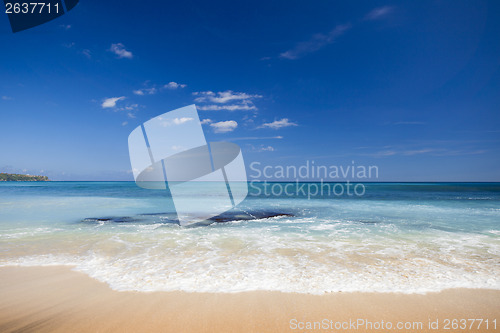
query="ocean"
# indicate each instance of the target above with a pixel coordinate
(395, 237)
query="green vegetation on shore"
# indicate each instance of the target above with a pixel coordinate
(14, 177)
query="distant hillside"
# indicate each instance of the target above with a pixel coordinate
(14, 177)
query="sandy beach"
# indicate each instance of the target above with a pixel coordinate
(57, 299)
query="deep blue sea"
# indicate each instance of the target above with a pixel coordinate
(396, 237)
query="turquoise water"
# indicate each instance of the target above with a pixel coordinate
(403, 237)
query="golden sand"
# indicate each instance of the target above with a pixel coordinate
(56, 299)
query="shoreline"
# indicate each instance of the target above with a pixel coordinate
(58, 299)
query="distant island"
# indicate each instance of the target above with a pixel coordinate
(14, 177)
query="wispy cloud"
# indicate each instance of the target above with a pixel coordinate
(223, 96)
(120, 51)
(6, 98)
(179, 121)
(111, 102)
(266, 148)
(175, 121)
(145, 91)
(224, 126)
(379, 13)
(232, 107)
(130, 107)
(278, 124)
(320, 40)
(174, 85)
(255, 138)
(65, 26)
(130, 110)
(409, 123)
(206, 121)
(225, 100)
(262, 148)
(315, 43)
(382, 153)
(418, 151)
(152, 89)
(72, 45)
(87, 53)
(427, 151)
(412, 150)
(178, 148)
(402, 152)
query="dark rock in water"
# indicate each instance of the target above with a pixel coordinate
(369, 222)
(117, 219)
(245, 216)
(169, 218)
(96, 219)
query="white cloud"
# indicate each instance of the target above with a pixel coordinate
(120, 51)
(175, 121)
(278, 124)
(379, 13)
(111, 102)
(153, 90)
(231, 107)
(261, 148)
(257, 138)
(225, 100)
(203, 93)
(224, 126)
(174, 85)
(266, 148)
(223, 96)
(316, 42)
(145, 91)
(6, 98)
(124, 123)
(179, 121)
(206, 121)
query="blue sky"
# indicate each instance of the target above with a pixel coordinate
(412, 87)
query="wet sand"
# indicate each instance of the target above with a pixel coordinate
(57, 299)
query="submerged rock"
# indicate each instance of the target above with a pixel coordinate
(246, 216)
(231, 216)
